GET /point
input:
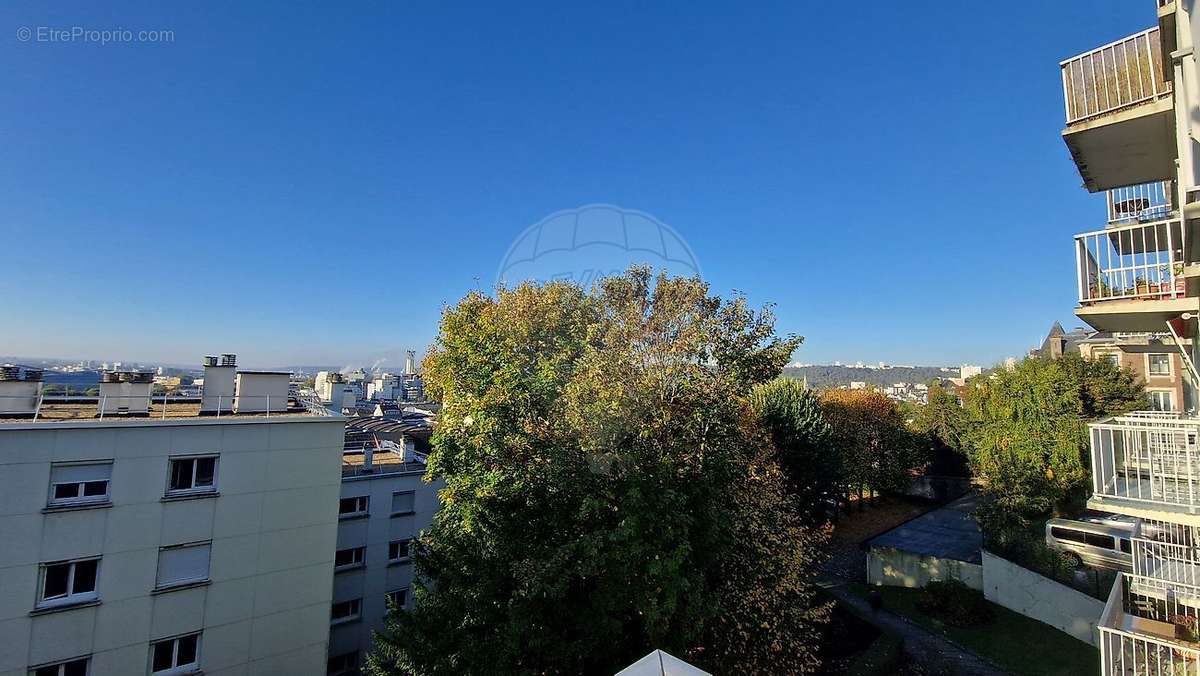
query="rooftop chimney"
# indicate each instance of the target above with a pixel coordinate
(125, 393)
(219, 384)
(19, 395)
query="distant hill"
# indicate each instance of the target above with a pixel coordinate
(822, 376)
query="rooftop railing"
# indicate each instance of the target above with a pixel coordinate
(1143, 260)
(1118, 75)
(1147, 458)
(53, 407)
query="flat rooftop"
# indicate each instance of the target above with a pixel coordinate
(946, 533)
(86, 409)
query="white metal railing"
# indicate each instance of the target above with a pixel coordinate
(1139, 203)
(1147, 458)
(1166, 551)
(313, 404)
(1143, 260)
(50, 406)
(1149, 628)
(1118, 75)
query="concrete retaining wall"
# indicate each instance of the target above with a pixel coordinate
(1024, 591)
(895, 568)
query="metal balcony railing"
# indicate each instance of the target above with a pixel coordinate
(1166, 551)
(1147, 458)
(1144, 260)
(1140, 203)
(1118, 75)
(1149, 628)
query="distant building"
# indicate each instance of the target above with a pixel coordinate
(968, 371)
(1059, 342)
(1153, 357)
(857, 385)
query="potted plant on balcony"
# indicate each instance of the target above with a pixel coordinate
(1177, 275)
(1187, 627)
(1141, 287)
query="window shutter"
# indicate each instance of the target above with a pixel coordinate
(402, 502)
(60, 474)
(178, 565)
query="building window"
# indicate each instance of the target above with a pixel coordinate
(397, 599)
(347, 559)
(68, 582)
(179, 655)
(1159, 364)
(193, 475)
(1114, 359)
(183, 564)
(345, 611)
(351, 507)
(399, 551)
(403, 502)
(340, 665)
(1161, 400)
(75, 667)
(79, 483)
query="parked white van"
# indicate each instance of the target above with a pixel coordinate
(1099, 545)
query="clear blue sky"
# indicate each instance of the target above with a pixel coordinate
(312, 182)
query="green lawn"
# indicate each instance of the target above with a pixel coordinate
(1017, 643)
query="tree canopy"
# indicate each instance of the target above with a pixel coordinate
(872, 438)
(609, 489)
(1026, 432)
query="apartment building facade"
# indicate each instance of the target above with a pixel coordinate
(165, 542)
(1132, 112)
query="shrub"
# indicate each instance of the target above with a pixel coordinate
(954, 603)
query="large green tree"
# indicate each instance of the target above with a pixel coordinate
(1026, 433)
(872, 439)
(811, 461)
(608, 489)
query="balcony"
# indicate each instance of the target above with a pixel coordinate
(1130, 277)
(1119, 112)
(1147, 464)
(1166, 551)
(1141, 203)
(1149, 629)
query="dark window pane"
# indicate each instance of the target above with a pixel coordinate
(56, 581)
(187, 649)
(1068, 534)
(181, 475)
(1103, 541)
(75, 668)
(163, 653)
(64, 491)
(85, 576)
(46, 671)
(95, 488)
(205, 470)
(343, 557)
(1125, 546)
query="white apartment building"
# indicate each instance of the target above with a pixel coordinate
(384, 505)
(1133, 114)
(142, 538)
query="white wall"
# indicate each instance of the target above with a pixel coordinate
(1024, 591)
(273, 526)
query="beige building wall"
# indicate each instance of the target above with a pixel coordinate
(272, 524)
(1136, 358)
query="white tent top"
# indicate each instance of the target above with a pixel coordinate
(659, 663)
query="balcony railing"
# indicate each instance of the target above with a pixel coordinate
(1149, 628)
(1147, 458)
(1139, 203)
(1118, 75)
(1166, 551)
(1144, 260)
